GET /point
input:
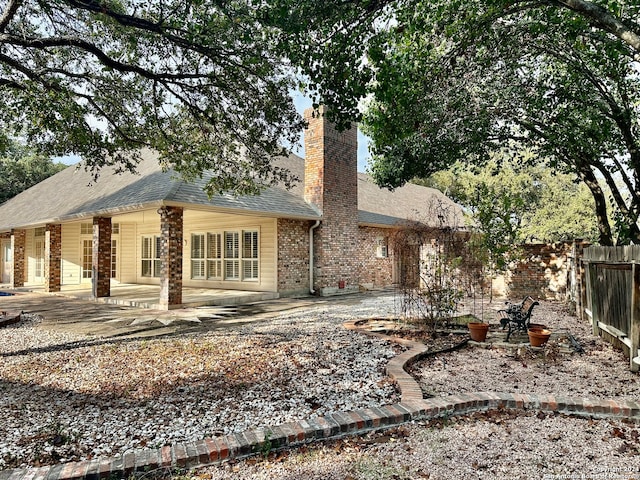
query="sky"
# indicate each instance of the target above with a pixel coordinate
(301, 103)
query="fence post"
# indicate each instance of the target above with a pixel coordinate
(590, 272)
(580, 269)
(634, 331)
(582, 287)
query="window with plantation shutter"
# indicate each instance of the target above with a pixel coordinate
(226, 255)
(214, 256)
(250, 255)
(231, 256)
(151, 263)
(197, 256)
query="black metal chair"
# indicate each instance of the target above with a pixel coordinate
(517, 316)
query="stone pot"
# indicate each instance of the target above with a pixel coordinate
(478, 331)
(538, 338)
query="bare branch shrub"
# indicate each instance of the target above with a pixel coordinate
(437, 267)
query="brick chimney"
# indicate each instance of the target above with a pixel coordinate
(331, 184)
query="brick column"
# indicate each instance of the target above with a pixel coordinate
(101, 259)
(18, 246)
(171, 256)
(53, 257)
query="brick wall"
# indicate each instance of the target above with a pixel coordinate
(18, 245)
(374, 271)
(293, 257)
(542, 272)
(101, 259)
(331, 184)
(53, 257)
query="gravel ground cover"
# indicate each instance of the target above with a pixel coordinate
(68, 397)
(600, 372)
(488, 445)
(491, 446)
(90, 400)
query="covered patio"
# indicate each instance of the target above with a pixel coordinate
(146, 296)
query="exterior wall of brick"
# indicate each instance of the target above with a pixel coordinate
(53, 257)
(171, 232)
(293, 257)
(541, 272)
(374, 271)
(19, 247)
(331, 184)
(101, 257)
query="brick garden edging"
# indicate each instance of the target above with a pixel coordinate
(412, 407)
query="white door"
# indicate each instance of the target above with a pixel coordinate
(86, 261)
(114, 259)
(7, 261)
(39, 259)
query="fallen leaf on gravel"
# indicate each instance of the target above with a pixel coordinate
(618, 433)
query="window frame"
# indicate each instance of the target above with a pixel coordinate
(250, 258)
(198, 256)
(230, 255)
(114, 258)
(86, 228)
(153, 259)
(382, 247)
(86, 266)
(214, 260)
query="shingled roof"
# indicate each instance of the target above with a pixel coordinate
(71, 195)
(382, 207)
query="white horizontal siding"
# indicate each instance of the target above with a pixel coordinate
(130, 246)
(127, 255)
(71, 254)
(202, 222)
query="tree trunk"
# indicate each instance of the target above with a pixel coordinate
(604, 227)
(627, 212)
(602, 18)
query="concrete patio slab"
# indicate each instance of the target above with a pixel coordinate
(147, 296)
(85, 316)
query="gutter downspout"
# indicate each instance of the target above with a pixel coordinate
(311, 229)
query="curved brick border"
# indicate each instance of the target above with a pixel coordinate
(411, 407)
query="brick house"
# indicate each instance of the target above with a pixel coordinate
(327, 235)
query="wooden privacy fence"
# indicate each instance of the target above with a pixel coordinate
(611, 296)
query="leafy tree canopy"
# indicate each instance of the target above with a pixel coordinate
(515, 203)
(206, 84)
(21, 168)
(460, 80)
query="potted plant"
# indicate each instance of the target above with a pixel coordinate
(478, 331)
(538, 336)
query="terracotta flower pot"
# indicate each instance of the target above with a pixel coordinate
(478, 331)
(538, 338)
(537, 327)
